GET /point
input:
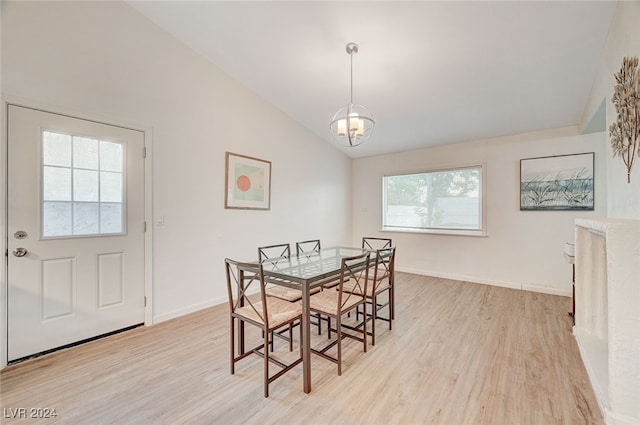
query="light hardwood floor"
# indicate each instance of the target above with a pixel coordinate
(459, 353)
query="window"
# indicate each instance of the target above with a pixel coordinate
(442, 201)
(82, 186)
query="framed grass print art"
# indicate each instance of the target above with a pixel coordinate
(247, 182)
(552, 183)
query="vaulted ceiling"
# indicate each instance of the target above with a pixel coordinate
(430, 72)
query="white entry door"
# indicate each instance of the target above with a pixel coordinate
(75, 228)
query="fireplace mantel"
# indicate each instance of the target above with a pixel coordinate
(607, 320)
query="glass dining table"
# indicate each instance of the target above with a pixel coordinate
(305, 272)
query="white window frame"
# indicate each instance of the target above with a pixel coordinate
(482, 232)
(123, 232)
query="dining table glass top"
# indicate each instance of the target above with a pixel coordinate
(310, 265)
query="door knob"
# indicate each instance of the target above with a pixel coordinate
(20, 252)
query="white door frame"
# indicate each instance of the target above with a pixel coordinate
(148, 203)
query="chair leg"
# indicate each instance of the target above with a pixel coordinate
(364, 327)
(374, 315)
(301, 353)
(391, 309)
(266, 362)
(291, 336)
(339, 336)
(233, 346)
(392, 302)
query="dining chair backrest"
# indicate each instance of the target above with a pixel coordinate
(244, 279)
(274, 252)
(355, 270)
(276, 257)
(383, 266)
(382, 282)
(375, 243)
(308, 246)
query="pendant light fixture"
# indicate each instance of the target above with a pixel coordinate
(353, 123)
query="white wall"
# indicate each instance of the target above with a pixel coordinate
(623, 40)
(105, 61)
(523, 249)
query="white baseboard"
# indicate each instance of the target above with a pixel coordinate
(474, 279)
(525, 287)
(189, 309)
(546, 290)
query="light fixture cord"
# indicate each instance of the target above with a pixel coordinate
(351, 60)
(349, 133)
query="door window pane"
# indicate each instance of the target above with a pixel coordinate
(85, 219)
(85, 185)
(56, 219)
(111, 187)
(56, 149)
(111, 156)
(85, 178)
(56, 184)
(85, 153)
(111, 218)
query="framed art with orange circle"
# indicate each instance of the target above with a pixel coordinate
(247, 182)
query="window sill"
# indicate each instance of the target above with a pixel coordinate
(446, 232)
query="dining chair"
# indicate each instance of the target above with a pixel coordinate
(274, 254)
(335, 304)
(372, 243)
(308, 247)
(380, 281)
(267, 313)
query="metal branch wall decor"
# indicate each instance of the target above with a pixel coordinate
(625, 131)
